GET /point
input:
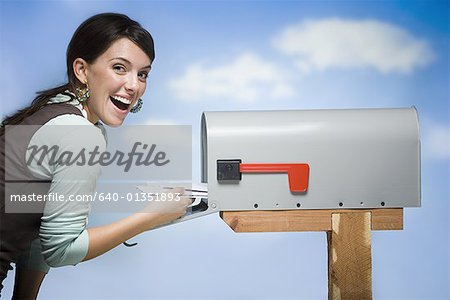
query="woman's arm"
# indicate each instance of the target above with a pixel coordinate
(63, 233)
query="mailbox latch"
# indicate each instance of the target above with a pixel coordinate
(228, 170)
(232, 169)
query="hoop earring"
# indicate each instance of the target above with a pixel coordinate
(83, 94)
(137, 107)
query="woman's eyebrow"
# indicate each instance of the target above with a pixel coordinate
(128, 62)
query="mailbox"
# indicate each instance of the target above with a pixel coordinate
(311, 159)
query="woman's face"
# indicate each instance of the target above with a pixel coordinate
(116, 79)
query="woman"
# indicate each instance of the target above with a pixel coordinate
(108, 61)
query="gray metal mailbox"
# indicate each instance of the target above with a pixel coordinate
(311, 159)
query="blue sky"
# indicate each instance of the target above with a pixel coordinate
(267, 55)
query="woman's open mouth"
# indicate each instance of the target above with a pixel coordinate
(120, 102)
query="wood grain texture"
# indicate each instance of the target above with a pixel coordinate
(305, 220)
(349, 256)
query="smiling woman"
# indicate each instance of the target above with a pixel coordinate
(108, 61)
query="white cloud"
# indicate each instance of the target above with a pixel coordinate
(246, 78)
(330, 43)
(436, 140)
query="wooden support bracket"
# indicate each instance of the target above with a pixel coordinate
(348, 235)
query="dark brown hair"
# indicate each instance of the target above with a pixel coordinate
(91, 39)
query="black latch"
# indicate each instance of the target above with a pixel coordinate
(228, 169)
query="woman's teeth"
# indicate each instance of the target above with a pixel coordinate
(120, 102)
(121, 99)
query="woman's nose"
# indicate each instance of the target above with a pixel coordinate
(132, 83)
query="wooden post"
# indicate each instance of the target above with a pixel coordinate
(348, 235)
(349, 256)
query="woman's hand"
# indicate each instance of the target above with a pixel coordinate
(106, 237)
(164, 211)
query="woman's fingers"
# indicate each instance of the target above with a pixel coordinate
(173, 205)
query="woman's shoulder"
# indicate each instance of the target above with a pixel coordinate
(78, 125)
(49, 112)
(71, 129)
(69, 119)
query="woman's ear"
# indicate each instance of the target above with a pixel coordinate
(80, 67)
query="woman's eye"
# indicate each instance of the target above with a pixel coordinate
(143, 75)
(119, 68)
